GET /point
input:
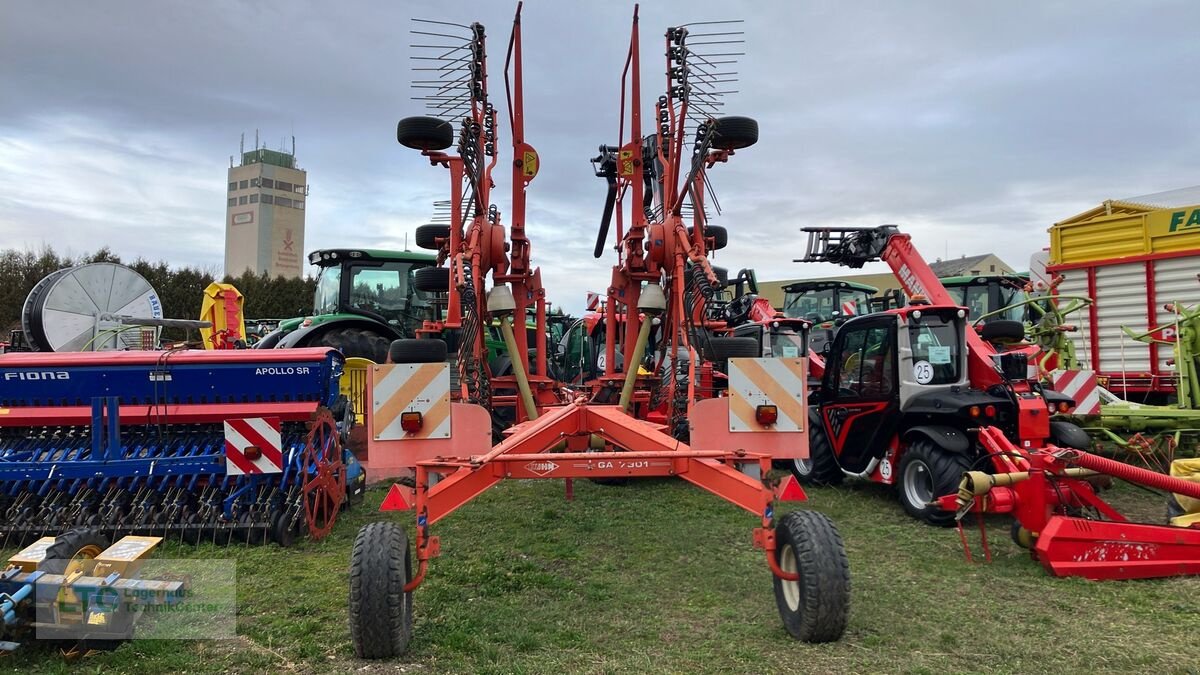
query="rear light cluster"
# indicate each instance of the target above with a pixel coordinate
(986, 411)
(766, 415)
(411, 422)
(1061, 406)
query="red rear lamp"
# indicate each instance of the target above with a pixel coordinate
(411, 422)
(252, 453)
(766, 415)
(990, 411)
(974, 410)
(1063, 407)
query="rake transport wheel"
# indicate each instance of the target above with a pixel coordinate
(926, 473)
(432, 279)
(380, 610)
(820, 468)
(427, 236)
(815, 607)
(324, 476)
(425, 133)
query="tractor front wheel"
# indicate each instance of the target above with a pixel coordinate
(815, 607)
(355, 342)
(926, 473)
(380, 610)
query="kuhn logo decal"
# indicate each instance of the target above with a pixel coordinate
(39, 375)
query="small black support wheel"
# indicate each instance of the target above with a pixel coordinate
(821, 467)
(380, 610)
(426, 350)
(719, 235)
(427, 236)
(282, 531)
(1069, 435)
(425, 133)
(722, 348)
(816, 607)
(734, 132)
(1003, 331)
(352, 342)
(432, 279)
(926, 473)
(73, 550)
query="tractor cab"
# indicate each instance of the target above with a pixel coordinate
(992, 297)
(827, 304)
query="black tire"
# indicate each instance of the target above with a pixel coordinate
(821, 467)
(380, 610)
(723, 348)
(925, 473)
(417, 351)
(89, 542)
(425, 133)
(1069, 435)
(816, 607)
(720, 237)
(282, 531)
(1003, 331)
(734, 132)
(427, 236)
(355, 342)
(432, 279)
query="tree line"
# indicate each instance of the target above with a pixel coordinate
(181, 289)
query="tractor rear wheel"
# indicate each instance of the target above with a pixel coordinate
(427, 235)
(380, 609)
(432, 279)
(926, 473)
(821, 467)
(816, 607)
(425, 133)
(352, 342)
(426, 350)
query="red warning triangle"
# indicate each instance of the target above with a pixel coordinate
(399, 498)
(789, 490)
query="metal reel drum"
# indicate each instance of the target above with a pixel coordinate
(63, 311)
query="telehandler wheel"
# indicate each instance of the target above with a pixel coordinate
(380, 610)
(425, 133)
(927, 472)
(417, 351)
(1069, 435)
(814, 608)
(427, 235)
(734, 132)
(432, 279)
(821, 467)
(352, 342)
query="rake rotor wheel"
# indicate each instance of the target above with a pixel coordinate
(324, 476)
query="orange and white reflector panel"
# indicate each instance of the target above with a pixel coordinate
(1081, 386)
(410, 401)
(253, 445)
(758, 385)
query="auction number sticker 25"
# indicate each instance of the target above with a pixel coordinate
(923, 371)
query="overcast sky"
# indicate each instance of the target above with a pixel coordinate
(974, 125)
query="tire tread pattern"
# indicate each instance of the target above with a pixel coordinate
(824, 577)
(380, 610)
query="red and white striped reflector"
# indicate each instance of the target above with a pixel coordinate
(1080, 385)
(261, 433)
(593, 301)
(849, 308)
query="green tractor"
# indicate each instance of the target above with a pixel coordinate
(365, 298)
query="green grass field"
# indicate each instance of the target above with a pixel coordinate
(660, 577)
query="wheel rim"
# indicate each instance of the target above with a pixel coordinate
(803, 466)
(791, 589)
(324, 486)
(918, 484)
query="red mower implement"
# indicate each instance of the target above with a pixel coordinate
(444, 433)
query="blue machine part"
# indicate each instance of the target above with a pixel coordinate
(134, 442)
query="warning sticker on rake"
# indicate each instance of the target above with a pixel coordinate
(541, 468)
(253, 445)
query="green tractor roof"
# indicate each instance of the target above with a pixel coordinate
(981, 279)
(826, 284)
(328, 257)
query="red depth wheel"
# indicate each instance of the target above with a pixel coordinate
(324, 476)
